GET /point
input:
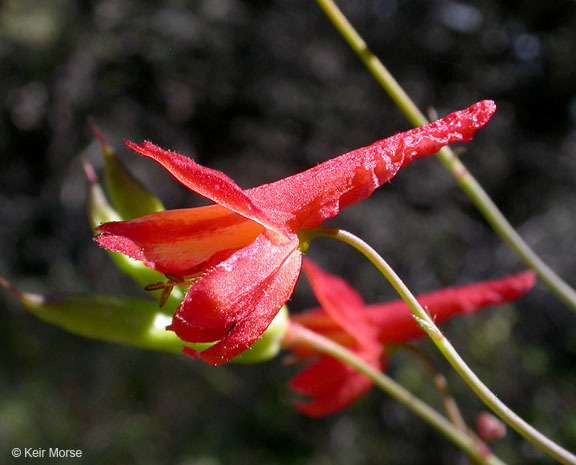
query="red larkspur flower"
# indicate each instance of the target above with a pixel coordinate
(244, 252)
(366, 329)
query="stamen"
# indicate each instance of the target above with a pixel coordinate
(173, 280)
(165, 295)
(155, 286)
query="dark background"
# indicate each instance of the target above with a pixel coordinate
(260, 90)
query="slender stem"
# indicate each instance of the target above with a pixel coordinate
(299, 335)
(467, 182)
(428, 325)
(450, 405)
(371, 61)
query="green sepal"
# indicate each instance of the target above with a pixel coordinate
(270, 343)
(133, 322)
(129, 321)
(130, 198)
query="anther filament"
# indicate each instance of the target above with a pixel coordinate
(167, 286)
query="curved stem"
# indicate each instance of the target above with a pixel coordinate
(467, 182)
(303, 336)
(428, 325)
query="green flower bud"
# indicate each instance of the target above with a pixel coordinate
(129, 196)
(134, 322)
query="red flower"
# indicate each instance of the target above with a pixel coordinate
(243, 253)
(367, 329)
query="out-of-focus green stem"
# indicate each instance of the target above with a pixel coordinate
(374, 65)
(302, 336)
(467, 182)
(450, 405)
(446, 348)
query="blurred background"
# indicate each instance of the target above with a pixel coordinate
(260, 90)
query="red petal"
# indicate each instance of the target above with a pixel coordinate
(307, 199)
(241, 295)
(320, 377)
(394, 320)
(341, 302)
(197, 333)
(175, 241)
(331, 385)
(396, 324)
(212, 184)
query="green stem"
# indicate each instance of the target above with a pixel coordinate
(467, 182)
(299, 335)
(428, 325)
(450, 405)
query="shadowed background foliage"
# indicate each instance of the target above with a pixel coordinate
(260, 90)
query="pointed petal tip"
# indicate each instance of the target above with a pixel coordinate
(137, 147)
(103, 230)
(483, 111)
(460, 126)
(488, 106)
(146, 148)
(526, 280)
(111, 228)
(108, 240)
(190, 352)
(514, 286)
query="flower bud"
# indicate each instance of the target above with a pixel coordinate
(129, 321)
(130, 197)
(489, 428)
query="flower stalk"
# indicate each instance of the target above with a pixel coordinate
(451, 162)
(427, 324)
